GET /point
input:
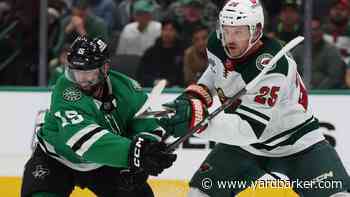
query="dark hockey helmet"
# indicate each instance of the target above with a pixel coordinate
(88, 63)
(87, 54)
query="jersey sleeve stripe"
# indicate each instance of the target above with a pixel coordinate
(252, 116)
(86, 146)
(80, 134)
(85, 138)
(258, 127)
(257, 113)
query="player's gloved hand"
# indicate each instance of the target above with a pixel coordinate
(149, 156)
(190, 108)
(188, 113)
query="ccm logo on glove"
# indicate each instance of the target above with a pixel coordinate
(137, 152)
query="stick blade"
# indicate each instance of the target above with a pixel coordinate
(153, 96)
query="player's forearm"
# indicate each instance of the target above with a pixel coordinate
(110, 150)
(142, 125)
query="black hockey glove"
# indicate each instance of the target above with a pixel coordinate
(149, 156)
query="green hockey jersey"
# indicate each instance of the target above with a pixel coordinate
(81, 135)
(274, 118)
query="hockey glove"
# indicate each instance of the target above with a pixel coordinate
(149, 156)
(190, 108)
(198, 91)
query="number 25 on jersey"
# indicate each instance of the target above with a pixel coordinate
(267, 95)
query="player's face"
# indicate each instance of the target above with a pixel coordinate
(236, 39)
(86, 79)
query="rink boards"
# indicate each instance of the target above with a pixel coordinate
(17, 115)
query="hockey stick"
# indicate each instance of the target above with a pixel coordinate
(240, 93)
(152, 98)
(156, 114)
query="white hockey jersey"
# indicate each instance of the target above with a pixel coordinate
(274, 119)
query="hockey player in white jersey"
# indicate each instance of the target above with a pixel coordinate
(270, 129)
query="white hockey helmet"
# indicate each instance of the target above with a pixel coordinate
(240, 13)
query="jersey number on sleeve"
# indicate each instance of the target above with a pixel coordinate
(267, 95)
(70, 117)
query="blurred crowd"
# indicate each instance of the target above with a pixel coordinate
(163, 39)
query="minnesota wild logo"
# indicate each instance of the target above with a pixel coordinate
(263, 60)
(72, 94)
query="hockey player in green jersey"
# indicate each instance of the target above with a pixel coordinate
(90, 137)
(270, 129)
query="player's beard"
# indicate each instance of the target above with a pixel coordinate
(95, 90)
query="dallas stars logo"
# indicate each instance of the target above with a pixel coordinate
(72, 94)
(40, 172)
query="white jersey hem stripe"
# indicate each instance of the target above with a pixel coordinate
(76, 166)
